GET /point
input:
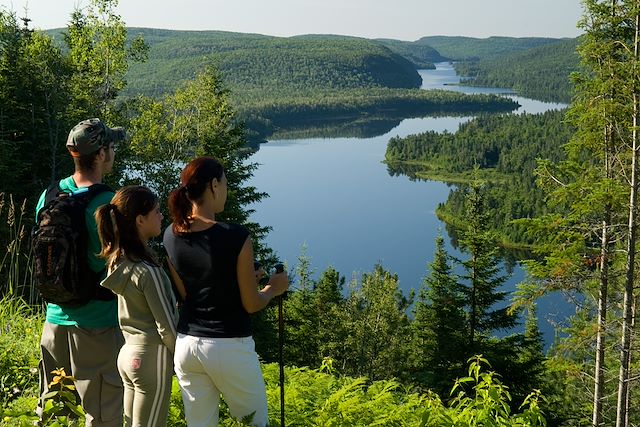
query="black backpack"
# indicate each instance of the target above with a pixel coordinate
(60, 244)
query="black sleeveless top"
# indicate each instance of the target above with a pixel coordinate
(206, 262)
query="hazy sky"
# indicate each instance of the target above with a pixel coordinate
(398, 19)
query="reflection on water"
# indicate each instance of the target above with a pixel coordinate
(443, 77)
(334, 195)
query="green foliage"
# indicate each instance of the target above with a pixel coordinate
(196, 120)
(467, 48)
(489, 404)
(61, 406)
(251, 62)
(20, 327)
(33, 99)
(315, 106)
(541, 72)
(313, 397)
(482, 273)
(439, 325)
(419, 53)
(15, 263)
(99, 55)
(505, 149)
(374, 314)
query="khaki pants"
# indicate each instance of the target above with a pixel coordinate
(146, 371)
(90, 355)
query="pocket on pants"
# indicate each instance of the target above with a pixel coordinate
(111, 396)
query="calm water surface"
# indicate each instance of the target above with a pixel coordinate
(335, 198)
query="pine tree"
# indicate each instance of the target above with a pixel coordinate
(482, 274)
(198, 119)
(439, 326)
(375, 318)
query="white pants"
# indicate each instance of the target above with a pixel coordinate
(208, 367)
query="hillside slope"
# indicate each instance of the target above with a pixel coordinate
(541, 72)
(470, 48)
(254, 65)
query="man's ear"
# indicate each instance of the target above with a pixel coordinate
(102, 153)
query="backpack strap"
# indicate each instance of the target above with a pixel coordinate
(93, 190)
(52, 192)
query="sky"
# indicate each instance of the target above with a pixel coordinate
(398, 19)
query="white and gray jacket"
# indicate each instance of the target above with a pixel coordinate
(146, 304)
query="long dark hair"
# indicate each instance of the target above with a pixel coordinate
(117, 225)
(194, 180)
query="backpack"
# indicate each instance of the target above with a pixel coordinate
(60, 243)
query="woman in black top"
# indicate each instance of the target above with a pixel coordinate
(213, 267)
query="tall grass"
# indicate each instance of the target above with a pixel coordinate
(16, 263)
(21, 314)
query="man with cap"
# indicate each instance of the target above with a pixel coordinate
(86, 340)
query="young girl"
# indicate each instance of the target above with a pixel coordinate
(213, 268)
(146, 305)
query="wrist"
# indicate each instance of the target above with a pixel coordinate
(268, 291)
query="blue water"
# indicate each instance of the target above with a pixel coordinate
(334, 198)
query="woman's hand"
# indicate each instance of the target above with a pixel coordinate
(279, 283)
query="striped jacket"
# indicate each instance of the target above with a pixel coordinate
(146, 303)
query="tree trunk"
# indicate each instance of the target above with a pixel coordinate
(598, 391)
(627, 316)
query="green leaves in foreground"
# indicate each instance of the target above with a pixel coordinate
(315, 398)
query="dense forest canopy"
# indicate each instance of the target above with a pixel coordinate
(541, 72)
(503, 150)
(421, 54)
(471, 48)
(569, 178)
(255, 62)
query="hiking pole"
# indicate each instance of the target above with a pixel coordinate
(280, 269)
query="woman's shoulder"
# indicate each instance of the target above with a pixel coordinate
(227, 229)
(232, 227)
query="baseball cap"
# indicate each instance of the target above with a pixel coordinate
(90, 135)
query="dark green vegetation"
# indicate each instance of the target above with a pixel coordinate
(470, 48)
(370, 330)
(585, 235)
(503, 150)
(275, 81)
(420, 53)
(256, 65)
(541, 72)
(363, 103)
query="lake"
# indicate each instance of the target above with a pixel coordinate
(335, 198)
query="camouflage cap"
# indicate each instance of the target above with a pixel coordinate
(90, 135)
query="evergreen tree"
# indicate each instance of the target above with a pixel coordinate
(33, 98)
(439, 326)
(378, 335)
(482, 273)
(197, 119)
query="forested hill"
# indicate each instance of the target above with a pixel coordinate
(541, 72)
(258, 63)
(470, 48)
(421, 54)
(505, 150)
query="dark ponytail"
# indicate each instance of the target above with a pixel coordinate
(195, 179)
(179, 209)
(107, 231)
(117, 225)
